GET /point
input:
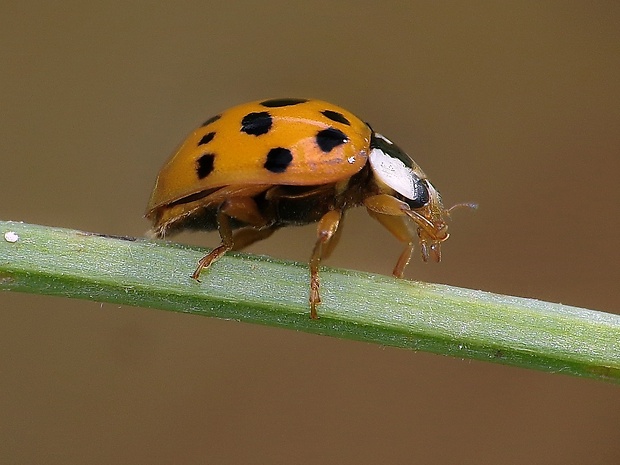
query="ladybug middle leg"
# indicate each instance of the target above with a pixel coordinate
(327, 236)
(243, 209)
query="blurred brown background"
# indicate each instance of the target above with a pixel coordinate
(514, 105)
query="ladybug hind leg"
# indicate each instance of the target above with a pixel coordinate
(243, 209)
(247, 236)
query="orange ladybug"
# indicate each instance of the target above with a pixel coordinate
(268, 164)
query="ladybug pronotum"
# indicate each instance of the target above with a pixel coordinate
(268, 164)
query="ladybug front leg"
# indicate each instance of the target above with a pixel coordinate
(243, 209)
(326, 233)
(390, 212)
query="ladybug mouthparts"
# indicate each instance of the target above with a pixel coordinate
(431, 234)
(430, 245)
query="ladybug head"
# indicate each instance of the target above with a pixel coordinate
(396, 170)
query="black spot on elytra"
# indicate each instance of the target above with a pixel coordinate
(204, 165)
(329, 138)
(213, 119)
(278, 160)
(256, 124)
(206, 138)
(335, 116)
(282, 102)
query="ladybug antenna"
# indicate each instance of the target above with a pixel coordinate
(470, 205)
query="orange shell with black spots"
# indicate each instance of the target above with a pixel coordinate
(269, 142)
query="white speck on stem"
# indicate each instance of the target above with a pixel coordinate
(11, 236)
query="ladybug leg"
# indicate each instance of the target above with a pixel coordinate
(248, 236)
(244, 209)
(223, 226)
(241, 208)
(390, 212)
(326, 233)
(329, 247)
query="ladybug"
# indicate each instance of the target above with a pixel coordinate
(268, 164)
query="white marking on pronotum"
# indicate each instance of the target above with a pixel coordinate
(381, 136)
(11, 236)
(351, 160)
(394, 173)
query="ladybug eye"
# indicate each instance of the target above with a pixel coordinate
(423, 196)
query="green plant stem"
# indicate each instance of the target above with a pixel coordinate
(366, 307)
